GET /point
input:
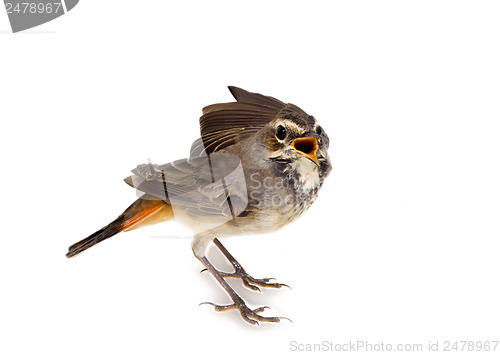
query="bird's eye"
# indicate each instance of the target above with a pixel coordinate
(280, 132)
(319, 130)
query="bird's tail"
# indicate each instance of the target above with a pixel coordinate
(141, 213)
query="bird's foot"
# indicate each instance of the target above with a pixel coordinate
(251, 282)
(249, 315)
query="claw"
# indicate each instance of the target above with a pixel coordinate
(249, 315)
(249, 281)
(249, 285)
(220, 308)
(252, 283)
(261, 309)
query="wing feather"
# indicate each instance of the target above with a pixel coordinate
(198, 186)
(225, 124)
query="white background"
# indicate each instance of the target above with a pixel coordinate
(402, 245)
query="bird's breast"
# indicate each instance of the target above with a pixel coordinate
(277, 198)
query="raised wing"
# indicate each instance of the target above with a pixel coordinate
(226, 124)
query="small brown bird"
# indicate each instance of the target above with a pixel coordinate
(258, 165)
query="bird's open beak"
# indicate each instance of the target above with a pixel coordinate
(307, 146)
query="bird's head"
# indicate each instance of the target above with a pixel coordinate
(294, 136)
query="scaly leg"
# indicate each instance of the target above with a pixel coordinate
(249, 315)
(239, 272)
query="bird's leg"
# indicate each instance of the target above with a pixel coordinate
(239, 272)
(249, 315)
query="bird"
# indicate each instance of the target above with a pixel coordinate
(258, 165)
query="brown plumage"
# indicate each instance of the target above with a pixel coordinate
(219, 191)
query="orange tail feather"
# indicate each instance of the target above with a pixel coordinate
(141, 213)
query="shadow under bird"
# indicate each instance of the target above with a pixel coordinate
(258, 165)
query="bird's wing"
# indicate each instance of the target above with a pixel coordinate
(225, 124)
(211, 185)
